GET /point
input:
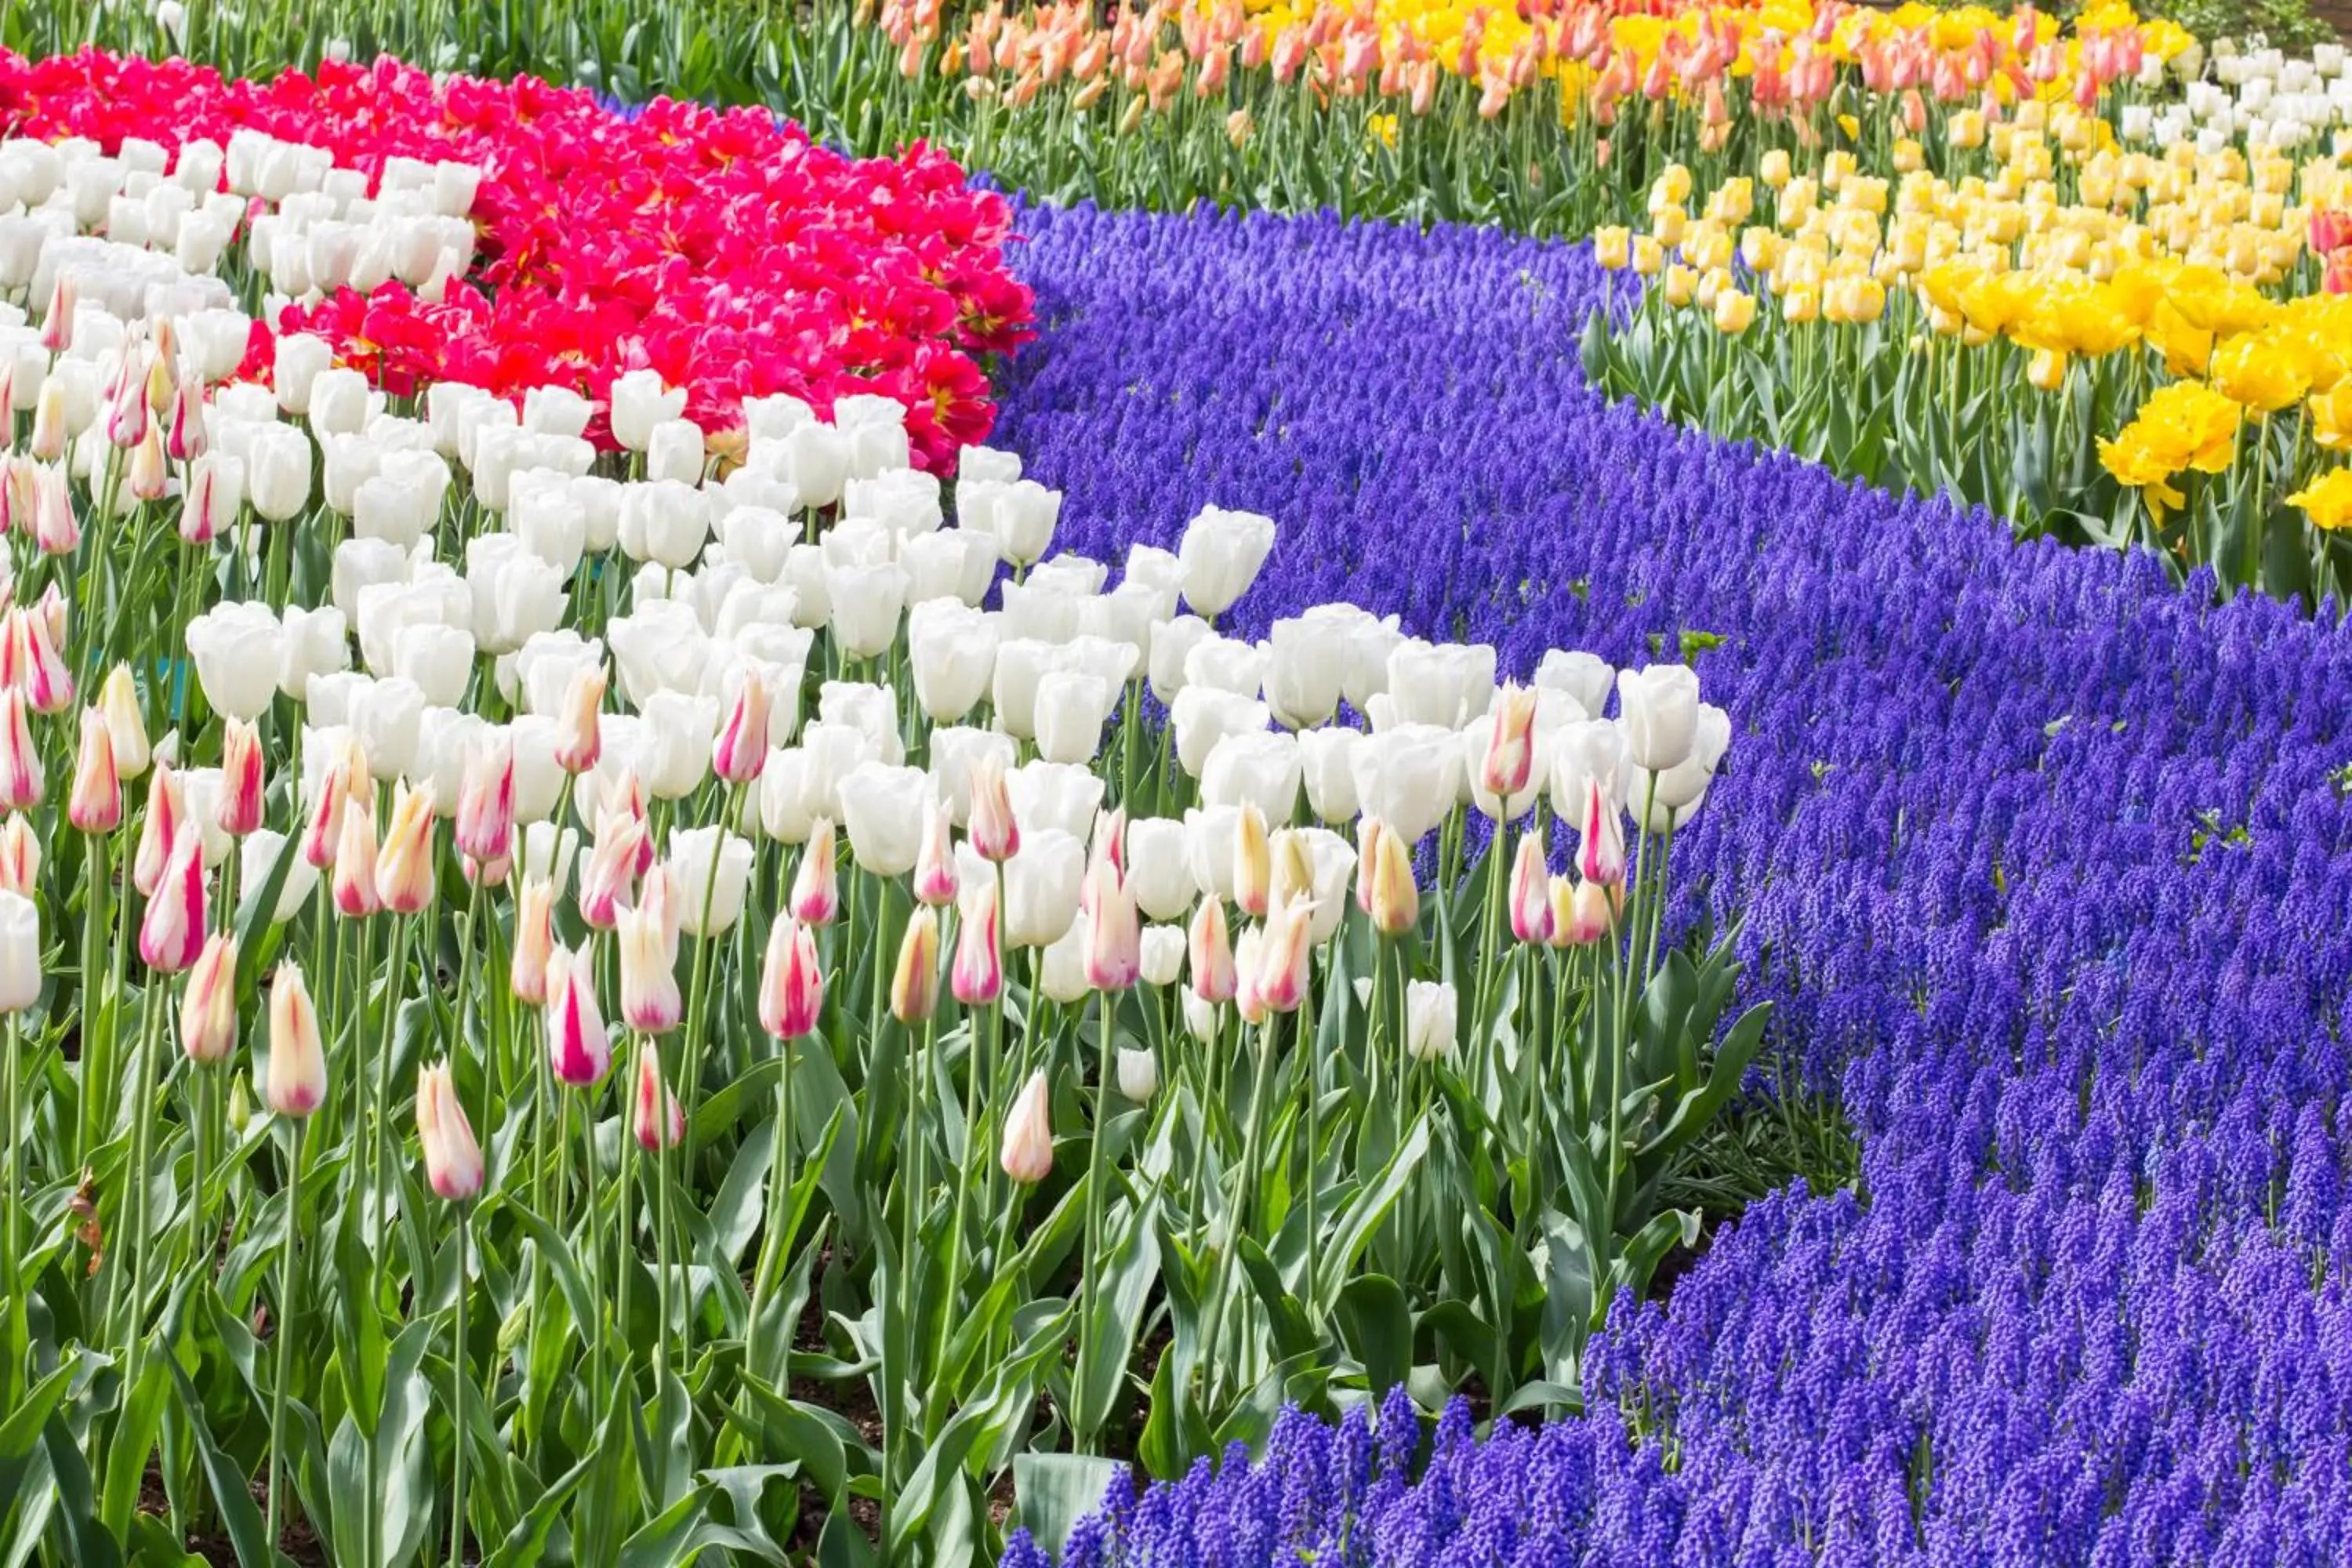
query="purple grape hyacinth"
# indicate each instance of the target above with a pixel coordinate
(2047, 865)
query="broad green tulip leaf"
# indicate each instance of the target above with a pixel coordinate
(1364, 1214)
(246, 1532)
(135, 1431)
(1128, 1271)
(1376, 1325)
(1051, 1492)
(526, 1544)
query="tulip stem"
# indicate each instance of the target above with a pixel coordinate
(1261, 1088)
(1082, 1432)
(626, 1198)
(1497, 869)
(95, 887)
(687, 1068)
(774, 1248)
(150, 1026)
(289, 1283)
(457, 1407)
(10, 1243)
(381, 1144)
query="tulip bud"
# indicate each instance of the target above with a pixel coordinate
(96, 804)
(978, 976)
(1396, 896)
(1212, 960)
(241, 779)
(118, 700)
(453, 1159)
(35, 665)
(915, 983)
(1253, 861)
(156, 831)
(297, 1080)
(742, 749)
(816, 893)
(486, 801)
(995, 835)
(1509, 756)
(1113, 931)
(172, 933)
(607, 882)
(579, 734)
(1431, 1008)
(578, 1049)
(935, 867)
(21, 779)
(353, 886)
(1139, 1075)
(1601, 857)
(1281, 974)
(659, 1122)
(1531, 915)
(649, 994)
(20, 952)
(1581, 912)
(534, 941)
(791, 983)
(1028, 1153)
(403, 867)
(208, 1003)
(20, 857)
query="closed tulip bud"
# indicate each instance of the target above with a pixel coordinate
(453, 1159)
(608, 882)
(816, 892)
(20, 953)
(659, 1121)
(1396, 896)
(1139, 1075)
(791, 981)
(935, 866)
(915, 982)
(1028, 1153)
(977, 976)
(578, 1049)
(353, 887)
(157, 830)
(1601, 857)
(1113, 931)
(208, 1003)
(1579, 912)
(1370, 831)
(242, 781)
(995, 834)
(579, 727)
(117, 701)
(1211, 959)
(1658, 708)
(534, 941)
(21, 779)
(1249, 1001)
(1282, 959)
(188, 439)
(404, 865)
(96, 804)
(20, 857)
(1531, 917)
(35, 665)
(742, 749)
(486, 800)
(1253, 862)
(296, 1084)
(171, 933)
(650, 1001)
(1430, 1011)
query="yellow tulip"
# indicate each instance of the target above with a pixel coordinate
(2326, 501)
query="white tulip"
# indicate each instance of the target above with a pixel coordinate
(1440, 683)
(1058, 796)
(239, 649)
(1431, 1008)
(884, 808)
(951, 564)
(300, 360)
(1410, 777)
(1041, 888)
(682, 725)
(1225, 664)
(555, 411)
(640, 402)
(986, 463)
(1679, 789)
(339, 401)
(816, 461)
(278, 472)
(1261, 768)
(760, 537)
(1203, 716)
(675, 455)
(1139, 1072)
(438, 659)
(1062, 970)
(952, 649)
(1071, 709)
(904, 501)
(713, 899)
(1586, 677)
(1307, 663)
(315, 642)
(1658, 708)
(1326, 760)
(660, 648)
(1021, 515)
(664, 519)
(1171, 644)
(1582, 753)
(515, 594)
(1160, 867)
(1222, 552)
(1209, 835)
(539, 777)
(866, 602)
(257, 861)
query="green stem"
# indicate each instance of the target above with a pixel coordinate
(1090, 1282)
(458, 1406)
(288, 1287)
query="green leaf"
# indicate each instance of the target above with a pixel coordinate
(1128, 1271)
(135, 1432)
(246, 1532)
(1365, 1212)
(1376, 1325)
(1051, 1492)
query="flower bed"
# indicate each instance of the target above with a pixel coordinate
(721, 251)
(2043, 863)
